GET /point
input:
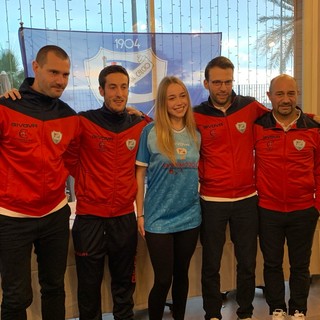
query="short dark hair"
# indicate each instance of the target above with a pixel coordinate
(111, 69)
(221, 62)
(41, 57)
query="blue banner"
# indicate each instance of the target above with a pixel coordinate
(148, 57)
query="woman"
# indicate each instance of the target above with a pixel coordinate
(169, 214)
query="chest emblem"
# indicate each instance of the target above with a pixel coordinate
(241, 126)
(131, 143)
(56, 136)
(299, 144)
(182, 152)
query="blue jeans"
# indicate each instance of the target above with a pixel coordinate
(50, 237)
(242, 217)
(297, 229)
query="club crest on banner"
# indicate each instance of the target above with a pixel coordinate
(148, 57)
(143, 67)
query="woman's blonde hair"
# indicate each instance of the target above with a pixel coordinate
(164, 131)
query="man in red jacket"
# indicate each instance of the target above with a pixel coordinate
(227, 186)
(35, 133)
(287, 145)
(105, 188)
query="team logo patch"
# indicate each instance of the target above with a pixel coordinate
(131, 143)
(299, 144)
(56, 136)
(241, 126)
(182, 152)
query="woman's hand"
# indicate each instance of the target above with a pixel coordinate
(140, 220)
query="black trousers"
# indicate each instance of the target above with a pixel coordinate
(242, 217)
(170, 256)
(50, 237)
(297, 229)
(95, 238)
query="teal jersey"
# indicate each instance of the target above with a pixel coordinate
(171, 201)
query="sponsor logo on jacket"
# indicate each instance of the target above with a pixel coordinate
(24, 125)
(270, 140)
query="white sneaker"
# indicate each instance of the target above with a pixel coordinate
(298, 316)
(278, 314)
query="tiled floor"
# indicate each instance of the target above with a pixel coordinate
(195, 312)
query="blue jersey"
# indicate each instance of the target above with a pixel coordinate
(171, 201)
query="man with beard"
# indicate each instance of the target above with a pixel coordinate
(227, 186)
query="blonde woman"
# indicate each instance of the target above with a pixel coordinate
(169, 214)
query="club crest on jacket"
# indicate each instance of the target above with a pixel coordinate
(299, 144)
(241, 126)
(131, 143)
(56, 136)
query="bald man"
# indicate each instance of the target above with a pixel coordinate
(287, 148)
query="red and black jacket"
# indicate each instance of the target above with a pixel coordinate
(287, 164)
(105, 183)
(226, 166)
(35, 133)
